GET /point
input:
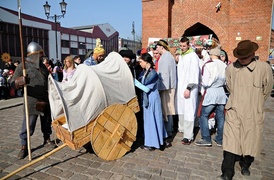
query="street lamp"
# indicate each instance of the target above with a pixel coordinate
(133, 33)
(63, 6)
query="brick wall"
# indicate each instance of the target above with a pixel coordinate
(171, 18)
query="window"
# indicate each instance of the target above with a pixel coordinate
(35, 34)
(65, 43)
(82, 45)
(41, 33)
(74, 51)
(11, 29)
(29, 31)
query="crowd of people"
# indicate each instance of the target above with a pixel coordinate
(199, 86)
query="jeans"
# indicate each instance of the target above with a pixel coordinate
(45, 127)
(219, 117)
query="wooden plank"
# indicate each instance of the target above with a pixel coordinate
(133, 104)
(113, 139)
(108, 146)
(126, 117)
(119, 109)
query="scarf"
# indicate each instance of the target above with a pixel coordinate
(190, 50)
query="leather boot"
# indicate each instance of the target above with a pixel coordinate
(49, 143)
(23, 152)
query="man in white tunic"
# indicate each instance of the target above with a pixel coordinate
(167, 84)
(188, 72)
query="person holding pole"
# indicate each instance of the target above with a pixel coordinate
(36, 81)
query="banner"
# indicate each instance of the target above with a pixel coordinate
(195, 41)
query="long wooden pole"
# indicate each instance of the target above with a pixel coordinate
(24, 74)
(34, 161)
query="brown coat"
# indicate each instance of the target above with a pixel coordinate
(249, 87)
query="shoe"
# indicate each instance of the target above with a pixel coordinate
(147, 148)
(218, 144)
(186, 141)
(245, 171)
(23, 152)
(168, 144)
(49, 143)
(223, 177)
(203, 143)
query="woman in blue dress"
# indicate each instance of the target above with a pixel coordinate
(154, 131)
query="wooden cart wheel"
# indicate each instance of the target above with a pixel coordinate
(114, 132)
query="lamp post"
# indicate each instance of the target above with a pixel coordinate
(133, 33)
(63, 6)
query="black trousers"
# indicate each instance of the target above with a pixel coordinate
(230, 160)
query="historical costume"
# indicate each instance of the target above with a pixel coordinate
(37, 90)
(188, 73)
(154, 131)
(167, 83)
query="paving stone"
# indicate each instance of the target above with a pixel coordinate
(106, 167)
(157, 177)
(116, 177)
(129, 172)
(54, 171)
(78, 177)
(42, 168)
(177, 162)
(91, 172)
(117, 169)
(169, 174)
(4, 165)
(78, 168)
(95, 164)
(104, 175)
(142, 175)
(66, 174)
(39, 175)
(52, 178)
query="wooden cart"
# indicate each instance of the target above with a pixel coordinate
(111, 133)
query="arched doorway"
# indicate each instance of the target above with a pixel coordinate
(199, 29)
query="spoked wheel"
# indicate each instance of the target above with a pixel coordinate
(114, 132)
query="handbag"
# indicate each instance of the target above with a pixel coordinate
(41, 106)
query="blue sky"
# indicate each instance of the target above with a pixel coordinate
(118, 13)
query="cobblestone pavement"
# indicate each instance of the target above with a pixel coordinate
(177, 162)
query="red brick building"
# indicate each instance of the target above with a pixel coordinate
(235, 20)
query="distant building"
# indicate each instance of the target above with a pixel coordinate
(70, 41)
(133, 45)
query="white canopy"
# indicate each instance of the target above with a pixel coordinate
(91, 90)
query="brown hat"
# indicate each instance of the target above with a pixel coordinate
(163, 43)
(245, 48)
